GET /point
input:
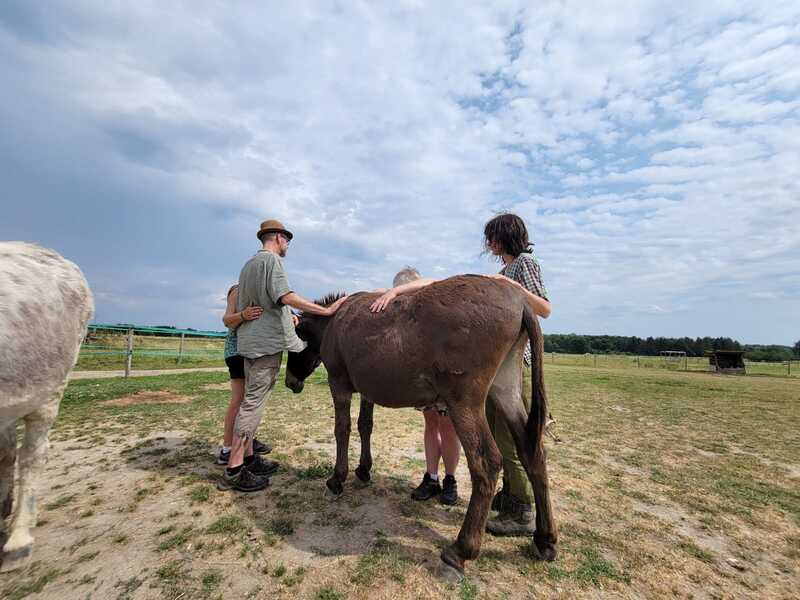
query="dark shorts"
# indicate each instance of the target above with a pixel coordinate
(235, 366)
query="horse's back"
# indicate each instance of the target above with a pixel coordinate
(451, 330)
(45, 306)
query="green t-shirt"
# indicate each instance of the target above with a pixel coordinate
(263, 282)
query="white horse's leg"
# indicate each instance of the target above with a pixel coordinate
(8, 457)
(32, 458)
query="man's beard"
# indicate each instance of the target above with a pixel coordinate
(282, 252)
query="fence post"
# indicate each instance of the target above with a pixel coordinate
(595, 359)
(129, 357)
(685, 362)
(637, 362)
(789, 367)
(180, 349)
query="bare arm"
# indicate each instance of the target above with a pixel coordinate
(233, 319)
(538, 305)
(406, 288)
(297, 301)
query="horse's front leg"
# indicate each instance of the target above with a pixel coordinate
(341, 405)
(365, 431)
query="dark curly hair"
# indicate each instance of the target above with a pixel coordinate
(510, 232)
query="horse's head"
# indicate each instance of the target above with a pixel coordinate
(311, 330)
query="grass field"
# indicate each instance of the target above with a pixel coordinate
(107, 352)
(664, 485)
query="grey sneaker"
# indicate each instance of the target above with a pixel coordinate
(243, 481)
(222, 457)
(515, 518)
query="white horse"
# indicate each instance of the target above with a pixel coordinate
(45, 305)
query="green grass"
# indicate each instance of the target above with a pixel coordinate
(227, 525)
(17, 591)
(127, 587)
(200, 493)
(652, 461)
(61, 501)
(319, 470)
(177, 540)
(329, 593)
(281, 526)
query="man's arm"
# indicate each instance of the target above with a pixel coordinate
(406, 288)
(297, 301)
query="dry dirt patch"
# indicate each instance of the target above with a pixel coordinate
(150, 397)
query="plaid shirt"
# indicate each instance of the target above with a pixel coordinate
(525, 270)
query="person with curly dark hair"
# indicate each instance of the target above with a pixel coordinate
(505, 237)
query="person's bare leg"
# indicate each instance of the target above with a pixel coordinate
(239, 451)
(433, 449)
(237, 393)
(450, 445)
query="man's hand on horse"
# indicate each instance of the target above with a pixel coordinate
(383, 301)
(331, 310)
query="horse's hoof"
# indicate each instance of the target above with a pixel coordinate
(16, 559)
(543, 550)
(363, 475)
(447, 573)
(333, 489)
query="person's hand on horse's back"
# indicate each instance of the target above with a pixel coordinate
(383, 301)
(331, 310)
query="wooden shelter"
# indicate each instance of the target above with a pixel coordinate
(729, 362)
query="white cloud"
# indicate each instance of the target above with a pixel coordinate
(651, 147)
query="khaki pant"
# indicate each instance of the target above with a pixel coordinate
(515, 478)
(260, 375)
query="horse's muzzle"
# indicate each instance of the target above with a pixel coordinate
(293, 383)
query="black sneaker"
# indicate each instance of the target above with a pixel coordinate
(223, 457)
(261, 467)
(449, 493)
(243, 481)
(427, 489)
(261, 448)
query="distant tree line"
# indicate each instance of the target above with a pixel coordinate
(614, 344)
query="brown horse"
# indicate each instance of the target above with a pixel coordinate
(455, 341)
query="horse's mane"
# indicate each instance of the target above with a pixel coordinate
(330, 298)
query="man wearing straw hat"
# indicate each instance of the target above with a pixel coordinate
(262, 341)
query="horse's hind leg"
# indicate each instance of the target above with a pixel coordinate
(513, 411)
(365, 431)
(484, 461)
(8, 456)
(341, 405)
(32, 458)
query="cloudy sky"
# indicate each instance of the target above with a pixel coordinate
(653, 148)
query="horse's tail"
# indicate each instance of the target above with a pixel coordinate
(538, 414)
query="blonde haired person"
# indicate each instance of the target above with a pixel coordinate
(441, 440)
